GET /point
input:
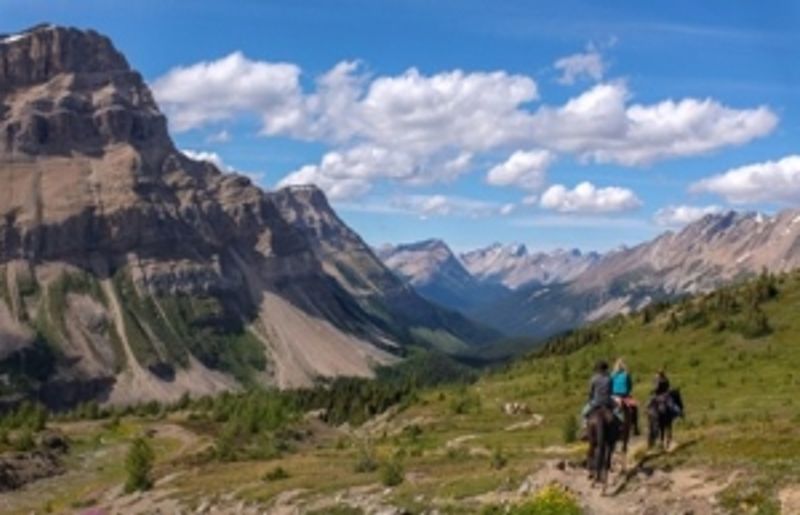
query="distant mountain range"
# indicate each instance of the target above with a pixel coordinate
(514, 267)
(474, 280)
(715, 250)
(552, 292)
(437, 274)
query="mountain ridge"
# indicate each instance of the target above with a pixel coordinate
(708, 253)
(431, 268)
(132, 272)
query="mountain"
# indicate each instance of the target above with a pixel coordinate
(437, 274)
(130, 272)
(513, 266)
(715, 250)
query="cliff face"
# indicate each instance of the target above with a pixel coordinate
(130, 272)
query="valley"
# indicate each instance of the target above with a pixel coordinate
(456, 448)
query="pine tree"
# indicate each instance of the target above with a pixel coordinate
(139, 465)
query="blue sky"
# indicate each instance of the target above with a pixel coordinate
(559, 124)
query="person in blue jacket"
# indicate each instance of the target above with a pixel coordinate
(622, 391)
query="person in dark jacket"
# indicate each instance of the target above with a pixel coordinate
(661, 383)
(662, 388)
(599, 389)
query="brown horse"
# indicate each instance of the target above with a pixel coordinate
(603, 430)
(661, 413)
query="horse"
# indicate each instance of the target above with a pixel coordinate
(626, 428)
(661, 414)
(603, 430)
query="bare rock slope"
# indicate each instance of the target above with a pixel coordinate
(130, 272)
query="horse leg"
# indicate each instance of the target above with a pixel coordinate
(590, 454)
(669, 435)
(652, 432)
(600, 447)
(626, 435)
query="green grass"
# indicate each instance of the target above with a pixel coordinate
(452, 442)
(740, 390)
(167, 328)
(138, 318)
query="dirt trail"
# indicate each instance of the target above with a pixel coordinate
(643, 488)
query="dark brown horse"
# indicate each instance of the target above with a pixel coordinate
(625, 430)
(661, 413)
(604, 430)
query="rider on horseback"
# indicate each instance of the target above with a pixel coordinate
(621, 391)
(661, 390)
(599, 390)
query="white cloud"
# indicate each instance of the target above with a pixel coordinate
(214, 91)
(587, 64)
(222, 136)
(349, 173)
(530, 200)
(526, 170)
(586, 198)
(600, 126)
(770, 181)
(410, 128)
(414, 128)
(507, 209)
(216, 160)
(677, 216)
(427, 206)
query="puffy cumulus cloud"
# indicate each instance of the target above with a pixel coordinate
(677, 216)
(587, 64)
(770, 181)
(350, 173)
(600, 126)
(586, 198)
(427, 128)
(427, 206)
(213, 91)
(411, 128)
(525, 169)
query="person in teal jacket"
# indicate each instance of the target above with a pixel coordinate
(622, 391)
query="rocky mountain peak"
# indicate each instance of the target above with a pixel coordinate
(40, 53)
(66, 91)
